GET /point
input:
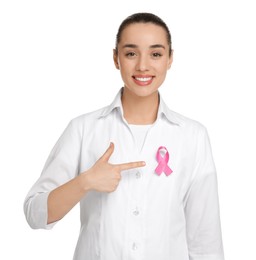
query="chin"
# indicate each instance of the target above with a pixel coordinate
(144, 92)
(141, 91)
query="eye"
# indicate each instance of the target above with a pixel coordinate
(130, 54)
(156, 55)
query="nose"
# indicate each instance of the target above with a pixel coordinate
(142, 63)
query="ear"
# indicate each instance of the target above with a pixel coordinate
(115, 58)
(170, 60)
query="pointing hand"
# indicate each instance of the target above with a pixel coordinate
(105, 177)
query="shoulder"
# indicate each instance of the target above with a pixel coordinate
(183, 122)
(81, 122)
(186, 123)
(190, 129)
(89, 116)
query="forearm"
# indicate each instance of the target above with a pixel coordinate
(102, 177)
(62, 199)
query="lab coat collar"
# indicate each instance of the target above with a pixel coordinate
(163, 109)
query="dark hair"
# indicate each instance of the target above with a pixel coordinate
(143, 18)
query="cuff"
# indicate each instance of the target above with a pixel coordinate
(36, 212)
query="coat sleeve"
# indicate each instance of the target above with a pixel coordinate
(202, 206)
(61, 166)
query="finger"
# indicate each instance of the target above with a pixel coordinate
(131, 165)
(105, 157)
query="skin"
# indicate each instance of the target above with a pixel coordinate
(102, 177)
(143, 52)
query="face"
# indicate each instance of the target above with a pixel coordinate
(143, 58)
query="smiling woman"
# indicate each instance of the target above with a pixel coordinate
(135, 202)
(143, 54)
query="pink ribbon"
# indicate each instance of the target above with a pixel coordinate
(162, 162)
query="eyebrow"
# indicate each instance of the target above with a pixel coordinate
(151, 46)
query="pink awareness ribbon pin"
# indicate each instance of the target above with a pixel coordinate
(162, 162)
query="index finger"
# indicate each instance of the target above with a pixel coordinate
(130, 165)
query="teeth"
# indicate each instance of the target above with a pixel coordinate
(143, 79)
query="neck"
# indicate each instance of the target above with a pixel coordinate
(140, 110)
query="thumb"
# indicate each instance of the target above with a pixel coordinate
(105, 157)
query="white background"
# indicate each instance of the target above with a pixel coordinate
(56, 63)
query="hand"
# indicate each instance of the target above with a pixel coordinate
(105, 177)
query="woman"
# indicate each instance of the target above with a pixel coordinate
(143, 174)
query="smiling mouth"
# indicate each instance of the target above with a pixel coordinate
(143, 81)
